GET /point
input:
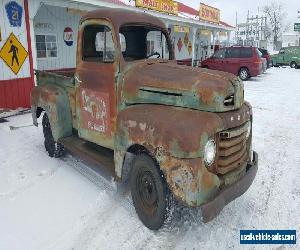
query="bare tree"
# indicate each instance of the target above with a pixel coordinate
(275, 14)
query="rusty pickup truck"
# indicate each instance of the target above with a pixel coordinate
(174, 133)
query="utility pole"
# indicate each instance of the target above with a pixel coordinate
(247, 28)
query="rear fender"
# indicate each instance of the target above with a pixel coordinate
(55, 102)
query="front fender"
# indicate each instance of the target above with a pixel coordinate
(54, 100)
(164, 131)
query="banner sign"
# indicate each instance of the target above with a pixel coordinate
(166, 6)
(296, 26)
(181, 29)
(208, 13)
(14, 13)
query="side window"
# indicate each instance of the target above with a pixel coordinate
(46, 46)
(98, 45)
(233, 53)
(220, 54)
(157, 45)
(247, 52)
(282, 51)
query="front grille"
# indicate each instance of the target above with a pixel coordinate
(232, 149)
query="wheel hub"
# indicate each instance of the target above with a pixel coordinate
(147, 190)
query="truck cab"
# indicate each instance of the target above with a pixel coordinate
(289, 56)
(172, 132)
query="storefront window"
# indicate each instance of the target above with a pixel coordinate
(46, 46)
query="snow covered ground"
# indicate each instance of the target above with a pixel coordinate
(48, 203)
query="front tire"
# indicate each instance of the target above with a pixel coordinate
(53, 148)
(244, 74)
(293, 65)
(149, 191)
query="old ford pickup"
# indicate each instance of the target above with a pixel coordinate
(173, 132)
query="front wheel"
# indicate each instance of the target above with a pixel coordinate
(53, 148)
(244, 74)
(149, 191)
(293, 65)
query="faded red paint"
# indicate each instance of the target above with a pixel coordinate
(95, 111)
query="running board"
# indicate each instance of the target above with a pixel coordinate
(100, 159)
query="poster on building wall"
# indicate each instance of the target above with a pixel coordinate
(14, 60)
(68, 36)
(181, 29)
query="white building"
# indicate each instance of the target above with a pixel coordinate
(48, 32)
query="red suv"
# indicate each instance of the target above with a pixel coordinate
(265, 54)
(244, 62)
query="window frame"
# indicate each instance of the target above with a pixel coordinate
(168, 42)
(103, 24)
(46, 34)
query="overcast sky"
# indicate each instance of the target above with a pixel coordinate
(228, 8)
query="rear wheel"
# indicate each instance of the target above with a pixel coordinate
(293, 65)
(150, 194)
(244, 74)
(53, 148)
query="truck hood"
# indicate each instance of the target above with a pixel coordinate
(165, 82)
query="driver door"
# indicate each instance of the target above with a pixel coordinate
(95, 82)
(280, 57)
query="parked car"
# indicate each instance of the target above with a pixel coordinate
(242, 61)
(171, 131)
(265, 54)
(287, 56)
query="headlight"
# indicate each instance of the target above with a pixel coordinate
(209, 152)
(248, 132)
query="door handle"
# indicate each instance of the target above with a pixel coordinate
(77, 80)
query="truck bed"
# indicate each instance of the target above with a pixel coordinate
(57, 77)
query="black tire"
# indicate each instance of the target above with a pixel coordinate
(53, 148)
(150, 194)
(293, 65)
(244, 74)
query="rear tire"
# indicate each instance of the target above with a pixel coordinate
(293, 65)
(53, 148)
(244, 74)
(150, 194)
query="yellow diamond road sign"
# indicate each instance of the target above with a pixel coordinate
(13, 53)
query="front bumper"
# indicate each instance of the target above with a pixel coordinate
(212, 208)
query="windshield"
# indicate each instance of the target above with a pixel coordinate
(142, 42)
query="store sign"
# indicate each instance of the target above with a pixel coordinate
(296, 26)
(44, 26)
(68, 36)
(14, 13)
(166, 6)
(181, 29)
(208, 13)
(13, 53)
(205, 32)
